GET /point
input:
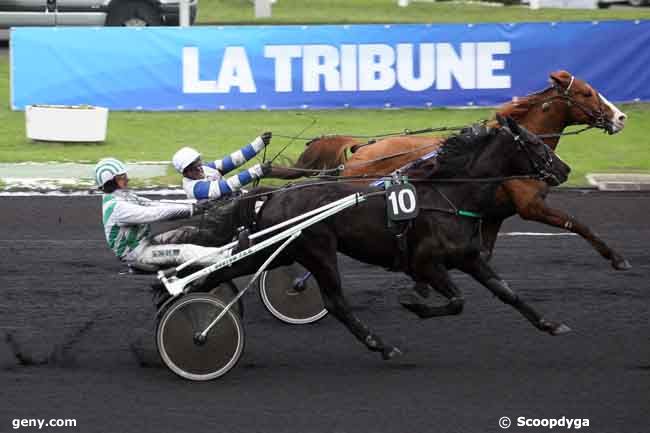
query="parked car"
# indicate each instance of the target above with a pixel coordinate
(91, 12)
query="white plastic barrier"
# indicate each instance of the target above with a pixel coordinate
(78, 123)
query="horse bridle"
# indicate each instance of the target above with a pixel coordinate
(597, 117)
(543, 169)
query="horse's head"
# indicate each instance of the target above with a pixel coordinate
(586, 105)
(532, 155)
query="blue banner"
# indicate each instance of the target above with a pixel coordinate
(360, 66)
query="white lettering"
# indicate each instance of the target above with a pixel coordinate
(191, 81)
(317, 61)
(363, 67)
(406, 67)
(349, 67)
(376, 67)
(283, 55)
(569, 423)
(235, 72)
(486, 65)
(462, 68)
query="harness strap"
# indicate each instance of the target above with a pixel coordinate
(470, 214)
(566, 92)
(401, 262)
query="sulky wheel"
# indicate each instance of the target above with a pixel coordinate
(185, 351)
(292, 295)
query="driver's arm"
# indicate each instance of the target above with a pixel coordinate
(242, 155)
(213, 189)
(132, 213)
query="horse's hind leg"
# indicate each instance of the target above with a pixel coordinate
(439, 279)
(482, 272)
(323, 265)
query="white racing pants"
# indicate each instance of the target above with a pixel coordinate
(172, 249)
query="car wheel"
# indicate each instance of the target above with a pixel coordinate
(133, 13)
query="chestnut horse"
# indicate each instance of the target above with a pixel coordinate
(567, 101)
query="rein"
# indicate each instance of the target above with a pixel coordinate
(406, 133)
(328, 180)
(403, 132)
(292, 139)
(342, 167)
(562, 134)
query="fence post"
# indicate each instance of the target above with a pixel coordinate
(184, 13)
(262, 9)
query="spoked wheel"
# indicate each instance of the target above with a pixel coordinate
(189, 354)
(292, 295)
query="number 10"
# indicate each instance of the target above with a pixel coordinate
(398, 201)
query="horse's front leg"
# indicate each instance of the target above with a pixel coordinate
(538, 210)
(529, 201)
(485, 275)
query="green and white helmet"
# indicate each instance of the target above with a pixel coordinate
(107, 169)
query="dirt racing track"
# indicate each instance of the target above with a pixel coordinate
(78, 342)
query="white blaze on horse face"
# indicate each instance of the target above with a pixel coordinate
(618, 117)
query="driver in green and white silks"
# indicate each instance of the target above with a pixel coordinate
(127, 217)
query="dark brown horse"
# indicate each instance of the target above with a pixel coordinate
(439, 237)
(568, 101)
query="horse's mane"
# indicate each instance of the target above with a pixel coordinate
(520, 106)
(452, 158)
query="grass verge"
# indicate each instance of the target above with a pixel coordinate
(387, 11)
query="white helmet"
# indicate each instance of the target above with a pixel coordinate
(184, 157)
(106, 170)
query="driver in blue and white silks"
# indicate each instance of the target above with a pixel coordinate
(127, 217)
(203, 181)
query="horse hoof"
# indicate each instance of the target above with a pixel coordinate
(560, 329)
(390, 353)
(408, 299)
(372, 343)
(422, 289)
(621, 265)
